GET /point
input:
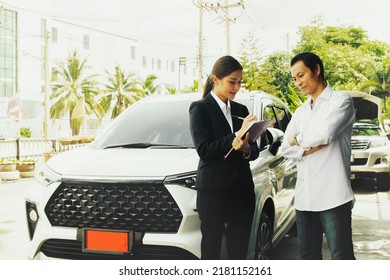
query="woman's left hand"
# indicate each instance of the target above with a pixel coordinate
(242, 144)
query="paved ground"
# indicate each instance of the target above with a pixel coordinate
(370, 228)
(371, 225)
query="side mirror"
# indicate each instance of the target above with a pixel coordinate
(386, 125)
(275, 137)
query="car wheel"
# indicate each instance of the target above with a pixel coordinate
(264, 238)
(383, 182)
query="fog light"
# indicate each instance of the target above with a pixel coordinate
(384, 160)
(33, 215)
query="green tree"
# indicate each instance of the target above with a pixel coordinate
(73, 92)
(379, 82)
(278, 66)
(311, 37)
(295, 98)
(193, 88)
(148, 86)
(351, 61)
(120, 92)
(254, 77)
(171, 89)
(353, 36)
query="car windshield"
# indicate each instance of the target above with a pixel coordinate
(365, 131)
(144, 125)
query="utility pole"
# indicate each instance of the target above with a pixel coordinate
(225, 17)
(288, 42)
(200, 5)
(182, 62)
(46, 81)
(227, 23)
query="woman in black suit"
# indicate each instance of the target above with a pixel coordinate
(225, 189)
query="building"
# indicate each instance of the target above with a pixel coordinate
(29, 37)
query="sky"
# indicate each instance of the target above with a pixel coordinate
(171, 28)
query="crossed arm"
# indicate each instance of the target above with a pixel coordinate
(318, 133)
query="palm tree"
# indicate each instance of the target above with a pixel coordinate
(147, 86)
(120, 92)
(296, 99)
(171, 90)
(73, 92)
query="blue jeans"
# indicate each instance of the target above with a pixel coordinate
(335, 223)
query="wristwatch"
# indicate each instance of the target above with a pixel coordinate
(296, 140)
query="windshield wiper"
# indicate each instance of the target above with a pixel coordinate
(145, 145)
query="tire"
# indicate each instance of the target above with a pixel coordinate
(264, 248)
(383, 182)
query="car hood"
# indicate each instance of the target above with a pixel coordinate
(122, 162)
(367, 106)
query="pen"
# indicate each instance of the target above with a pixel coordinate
(240, 118)
(228, 153)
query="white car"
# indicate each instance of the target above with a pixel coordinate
(130, 194)
(370, 145)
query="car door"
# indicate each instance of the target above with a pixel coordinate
(282, 171)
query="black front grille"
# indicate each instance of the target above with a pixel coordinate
(359, 161)
(142, 207)
(71, 249)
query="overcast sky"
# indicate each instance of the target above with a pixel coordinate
(171, 28)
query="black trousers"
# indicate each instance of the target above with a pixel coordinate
(228, 212)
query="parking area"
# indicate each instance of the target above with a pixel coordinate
(371, 225)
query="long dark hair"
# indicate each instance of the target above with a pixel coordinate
(223, 67)
(311, 61)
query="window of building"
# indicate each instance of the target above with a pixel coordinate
(132, 52)
(8, 54)
(158, 64)
(85, 42)
(152, 63)
(144, 64)
(54, 35)
(172, 67)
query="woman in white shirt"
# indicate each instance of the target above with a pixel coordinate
(319, 137)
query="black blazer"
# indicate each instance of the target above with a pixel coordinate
(213, 139)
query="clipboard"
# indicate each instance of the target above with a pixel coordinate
(255, 130)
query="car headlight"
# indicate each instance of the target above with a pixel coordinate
(377, 143)
(184, 179)
(45, 175)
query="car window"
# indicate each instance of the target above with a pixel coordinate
(283, 117)
(272, 110)
(155, 123)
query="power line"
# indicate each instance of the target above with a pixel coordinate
(96, 30)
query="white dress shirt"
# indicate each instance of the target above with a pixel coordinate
(324, 176)
(225, 109)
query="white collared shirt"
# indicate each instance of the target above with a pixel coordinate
(324, 176)
(225, 109)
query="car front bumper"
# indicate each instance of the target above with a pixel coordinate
(65, 242)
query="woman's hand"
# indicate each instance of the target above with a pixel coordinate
(245, 123)
(242, 145)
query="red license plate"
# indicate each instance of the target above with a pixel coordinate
(107, 241)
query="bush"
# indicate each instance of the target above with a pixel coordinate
(25, 132)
